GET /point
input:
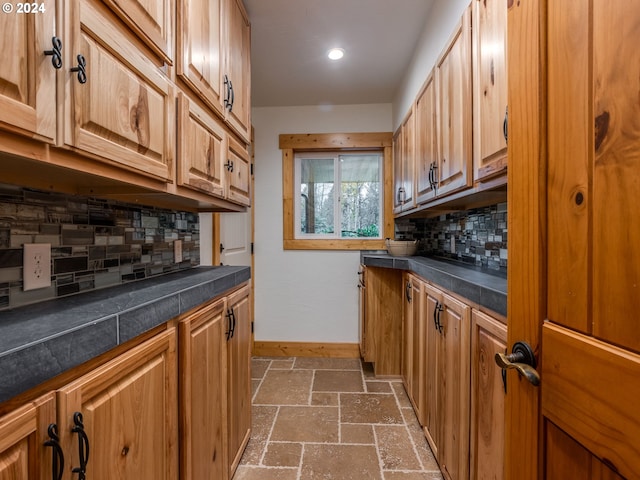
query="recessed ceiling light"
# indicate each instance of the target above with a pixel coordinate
(336, 53)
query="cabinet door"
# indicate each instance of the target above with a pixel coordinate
(27, 75)
(23, 433)
(238, 173)
(238, 69)
(453, 76)
(152, 22)
(202, 143)
(408, 161)
(490, 88)
(362, 312)
(488, 391)
(417, 350)
(125, 112)
(455, 356)
(407, 331)
(426, 152)
(239, 376)
(128, 410)
(200, 49)
(433, 366)
(398, 194)
(203, 391)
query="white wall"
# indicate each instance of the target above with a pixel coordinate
(302, 296)
(441, 20)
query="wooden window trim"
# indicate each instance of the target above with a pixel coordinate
(317, 142)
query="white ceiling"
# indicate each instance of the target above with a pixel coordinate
(290, 38)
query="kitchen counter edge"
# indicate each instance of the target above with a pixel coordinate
(484, 289)
(40, 341)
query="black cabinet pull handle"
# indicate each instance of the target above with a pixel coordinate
(233, 96)
(431, 175)
(407, 291)
(55, 52)
(439, 309)
(233, 328)
(57, 461)
(230, 318)
(83, 446)
(435, 178)
(81, 69)
(227, 92)
(505, 124)
(435, 315)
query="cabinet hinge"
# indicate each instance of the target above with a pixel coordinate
(252, 169)
(251, 248)
(251, 327)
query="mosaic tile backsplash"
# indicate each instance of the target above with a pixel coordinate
(477, 237)
(94, 243)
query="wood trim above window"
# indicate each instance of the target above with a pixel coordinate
(289, 143)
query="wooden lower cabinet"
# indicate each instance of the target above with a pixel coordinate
(488, 337)
(215, 387)
(383, 321)
(413, 364)
(23, 433)
(203, 392)
(238, 375)
(120, 420)
(432, 375)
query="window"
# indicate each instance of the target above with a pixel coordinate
(340, 195)
(335, 191)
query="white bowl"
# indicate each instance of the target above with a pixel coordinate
(402, 248)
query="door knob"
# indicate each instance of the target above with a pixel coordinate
(521, 359)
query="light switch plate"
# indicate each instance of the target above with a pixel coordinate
(177, 251)
(36, 266)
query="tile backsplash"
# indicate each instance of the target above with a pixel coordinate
(477, 237)
(94, 243)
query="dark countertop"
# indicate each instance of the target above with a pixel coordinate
(485, 289)
(40, 341)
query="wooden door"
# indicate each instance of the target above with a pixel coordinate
(238, 71)
(426, 151)
(455, 395)
(489, 88)
(488, 389)
(128, 411)
(125, 112)
(152, 21)
(453, 77)
(23, 433)
(202, 144)
(433, 370)
(238, 172)
(576, 266)
(200, 45)
(239, 376)
(27, 75)
(203, 392)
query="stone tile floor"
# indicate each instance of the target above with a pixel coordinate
(330, 419)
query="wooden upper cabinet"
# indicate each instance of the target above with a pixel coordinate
(490, 88)
(238, 173)
(152, 21)
(124, 113)
(23, 433)
(202, 144)
(426, 144)
(128, 411)
(200, 40)
(214, 58)
(403, 165)
(238, 69)
(27, 75)
(453, 77)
